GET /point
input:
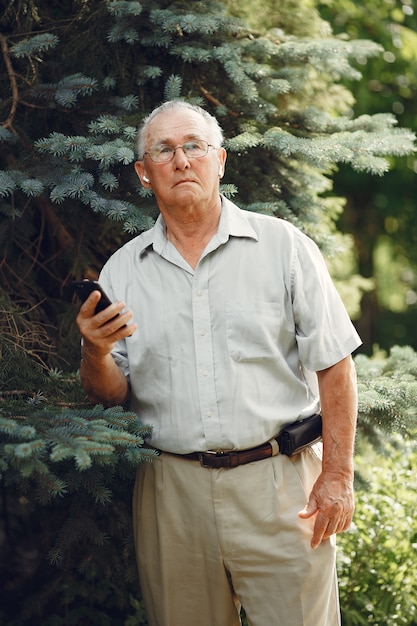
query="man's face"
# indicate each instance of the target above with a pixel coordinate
(182, 182)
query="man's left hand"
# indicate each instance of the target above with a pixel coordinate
(332, 503)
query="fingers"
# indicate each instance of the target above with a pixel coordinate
(88, 309)
(325, 527)
(112, 323)
(111, 320)
(331, 502)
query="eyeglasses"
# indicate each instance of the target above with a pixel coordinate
(163, 153)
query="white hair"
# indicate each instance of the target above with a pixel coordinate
(216, 132)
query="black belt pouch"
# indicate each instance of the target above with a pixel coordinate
(299, 435)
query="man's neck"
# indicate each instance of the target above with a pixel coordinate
(191, 232)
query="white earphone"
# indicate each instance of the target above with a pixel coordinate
(220, 170)
(146, 179)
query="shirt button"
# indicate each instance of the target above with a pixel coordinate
(199, 293)
(209, 413)
(203, 333)
(205, 373)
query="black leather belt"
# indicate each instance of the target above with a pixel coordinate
(233, 458)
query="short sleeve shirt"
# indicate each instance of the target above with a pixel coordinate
(225, 354)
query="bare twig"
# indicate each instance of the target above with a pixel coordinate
(214, 100)
(13, 83)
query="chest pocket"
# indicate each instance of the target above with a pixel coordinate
(252, 330)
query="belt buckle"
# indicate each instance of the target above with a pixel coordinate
(213, 453)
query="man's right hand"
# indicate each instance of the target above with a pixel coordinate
(101, 378)
(100, 332)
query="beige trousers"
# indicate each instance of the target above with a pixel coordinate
(208, 540)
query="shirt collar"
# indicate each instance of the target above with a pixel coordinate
(233, 223)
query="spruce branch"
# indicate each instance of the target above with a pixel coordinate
(89, 435)
(387, 387)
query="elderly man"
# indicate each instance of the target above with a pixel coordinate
(229, 329)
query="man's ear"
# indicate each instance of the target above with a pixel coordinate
(222, 160)
(141, 172)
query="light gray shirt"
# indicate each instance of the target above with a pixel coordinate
(225, 355)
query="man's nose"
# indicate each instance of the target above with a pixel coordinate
(180, 159)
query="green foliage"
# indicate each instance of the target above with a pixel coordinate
(66, 542)
(377, 556)
(35, 45)
(88, 436)
(66, 471)
(387, 387)
(385, 210)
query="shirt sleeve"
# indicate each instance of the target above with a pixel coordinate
(324, 332)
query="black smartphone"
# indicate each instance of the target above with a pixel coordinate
(83, 288)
